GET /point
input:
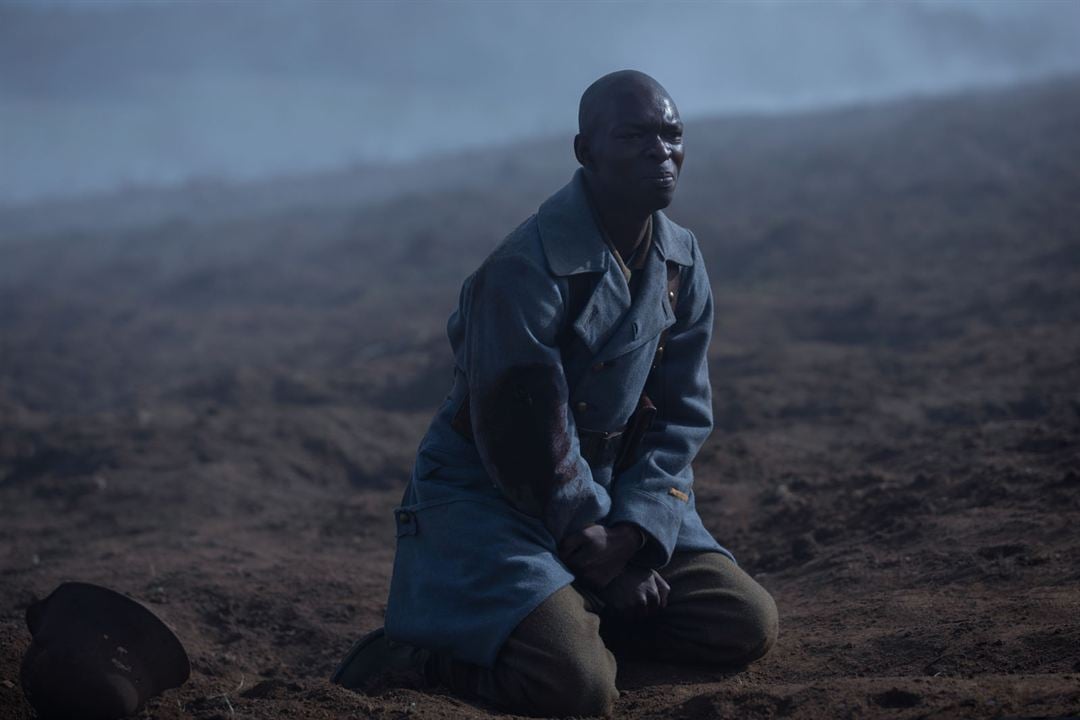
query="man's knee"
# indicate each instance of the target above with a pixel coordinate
(722, 616)
(759, 626)
(746, 623)
(585, 687)
(555, 663)
(577, 682)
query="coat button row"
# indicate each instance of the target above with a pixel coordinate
(581, 407)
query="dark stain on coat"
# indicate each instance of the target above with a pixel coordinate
(522, 426)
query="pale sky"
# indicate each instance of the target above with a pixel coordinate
(96, 95)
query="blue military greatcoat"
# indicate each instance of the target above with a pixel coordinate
(488, 503)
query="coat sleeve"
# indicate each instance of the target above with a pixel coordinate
(655, 491)
(518, 397)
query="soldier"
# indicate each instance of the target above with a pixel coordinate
(551, 505)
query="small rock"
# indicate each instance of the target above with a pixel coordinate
(897, 698)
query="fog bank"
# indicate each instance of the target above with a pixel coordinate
(95, 96)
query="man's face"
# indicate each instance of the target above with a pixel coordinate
(636, 147)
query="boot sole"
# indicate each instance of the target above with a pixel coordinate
(358, 647)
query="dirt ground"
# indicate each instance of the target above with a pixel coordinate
(216, 418)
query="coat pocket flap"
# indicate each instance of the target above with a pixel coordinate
(405, 521)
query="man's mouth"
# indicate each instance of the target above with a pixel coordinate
(661, 179)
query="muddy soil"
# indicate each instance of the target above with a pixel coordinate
(217, 417)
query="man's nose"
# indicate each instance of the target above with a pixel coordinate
(658, 148)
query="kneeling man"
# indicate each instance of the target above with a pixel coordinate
(550, 515)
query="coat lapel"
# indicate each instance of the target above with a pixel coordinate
(573, 245)
(608, 324)
(652, 311)
(606, 306)
(649, 314)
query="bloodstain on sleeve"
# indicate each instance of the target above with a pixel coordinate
(522, 430)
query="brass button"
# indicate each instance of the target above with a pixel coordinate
(671, 294)
(582, 407)
(404, 518)
(599, 366)
(660, 352)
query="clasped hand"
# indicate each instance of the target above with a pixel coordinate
(598, 556)
(637, 593)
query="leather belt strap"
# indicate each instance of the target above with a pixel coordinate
(600, 448)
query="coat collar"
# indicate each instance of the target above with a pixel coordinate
(608, 324)
(572, 240)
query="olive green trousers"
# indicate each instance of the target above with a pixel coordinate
(557, 662)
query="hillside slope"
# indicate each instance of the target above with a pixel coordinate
(217, 417)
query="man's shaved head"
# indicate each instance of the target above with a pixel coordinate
(629, 142)
(598, 97)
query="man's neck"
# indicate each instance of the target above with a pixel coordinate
(626, 232)
(625, 228)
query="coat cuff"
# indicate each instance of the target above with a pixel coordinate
(660, 523)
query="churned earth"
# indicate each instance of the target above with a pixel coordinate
(216, 415)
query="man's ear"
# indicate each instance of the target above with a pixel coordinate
(581, 150)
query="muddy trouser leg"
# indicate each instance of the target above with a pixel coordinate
(553, 664)
(716, 615)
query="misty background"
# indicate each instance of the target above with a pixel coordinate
(99, 96)
(231, 235)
